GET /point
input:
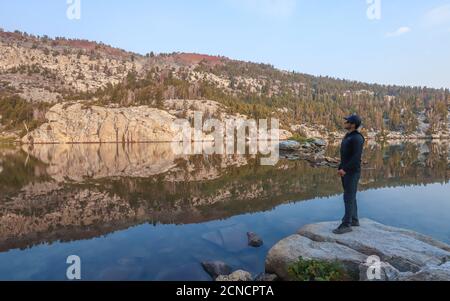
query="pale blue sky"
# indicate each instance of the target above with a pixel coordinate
(409, 45)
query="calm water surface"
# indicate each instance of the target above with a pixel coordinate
(140, 212)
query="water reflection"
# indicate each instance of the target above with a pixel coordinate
(72, 192)
(81, 162)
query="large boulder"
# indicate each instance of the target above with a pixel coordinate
(402, 253)
(290, 146)
(289, 250)
(216, 268)
(403, 249)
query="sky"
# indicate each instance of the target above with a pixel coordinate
(404, 42)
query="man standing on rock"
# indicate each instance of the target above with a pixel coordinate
(350, 172)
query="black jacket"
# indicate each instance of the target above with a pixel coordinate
(351, 152)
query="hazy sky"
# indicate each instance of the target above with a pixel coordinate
(409, 44)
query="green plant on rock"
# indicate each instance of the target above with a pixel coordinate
(301, 139)
(317, 270)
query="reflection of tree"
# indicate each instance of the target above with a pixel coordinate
(197, 189)
(407, 164)
(18, 171)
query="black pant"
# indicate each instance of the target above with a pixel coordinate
(350, 185)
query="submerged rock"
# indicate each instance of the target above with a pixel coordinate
(238, 275)
(254, 240)
(264, 277)
(216, 268)
(403, 254)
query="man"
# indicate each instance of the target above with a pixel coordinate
(350, 172)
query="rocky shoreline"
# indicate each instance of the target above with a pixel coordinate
(312, 150)
(420, 134)
(404, 255)
(372, 252)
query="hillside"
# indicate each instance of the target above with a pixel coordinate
(38, 72)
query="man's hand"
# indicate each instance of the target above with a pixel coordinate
(341, 173)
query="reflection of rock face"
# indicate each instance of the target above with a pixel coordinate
(117, 186)
(80, 162)
(76, 161)
(77, 124)
(65, 211)
(192, 172)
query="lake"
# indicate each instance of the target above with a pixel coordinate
(141, 212)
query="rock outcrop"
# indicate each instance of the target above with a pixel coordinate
(71, 123)
(403, 254)
(77, 123)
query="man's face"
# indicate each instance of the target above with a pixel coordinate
(348, 126)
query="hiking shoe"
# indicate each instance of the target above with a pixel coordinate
(342, 229)
(355, 224)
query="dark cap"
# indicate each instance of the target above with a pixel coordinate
(354, 119)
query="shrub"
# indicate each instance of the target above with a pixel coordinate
(317, 270)
(301, 139)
